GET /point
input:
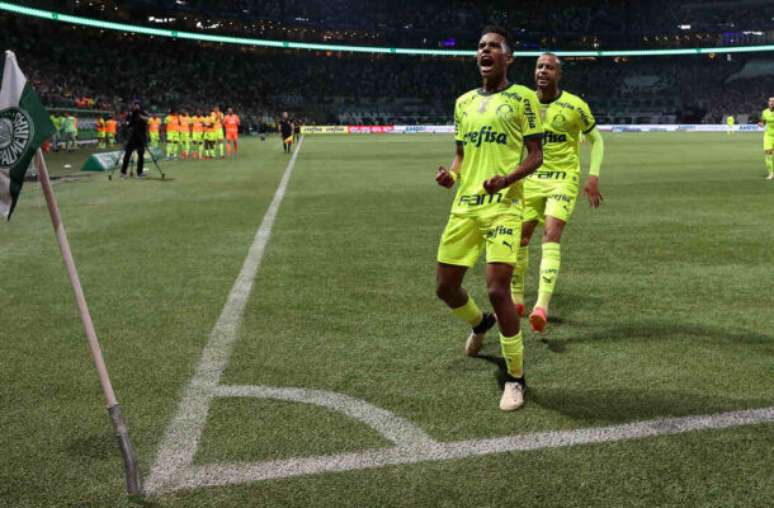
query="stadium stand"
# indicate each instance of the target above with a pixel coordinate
(92, 69)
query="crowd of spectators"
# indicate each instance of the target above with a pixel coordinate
(608, 24)
(88, 68)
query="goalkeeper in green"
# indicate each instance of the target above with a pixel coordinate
(550, 193)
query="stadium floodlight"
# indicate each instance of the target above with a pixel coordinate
(268, 43)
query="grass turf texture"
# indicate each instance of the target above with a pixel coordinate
(662, 309)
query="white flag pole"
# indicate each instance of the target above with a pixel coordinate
(133, 484)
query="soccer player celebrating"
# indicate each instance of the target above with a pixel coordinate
(231, 122)
(550, 193)
(767, 119)
(493, 125)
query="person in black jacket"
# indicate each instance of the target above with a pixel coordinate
(137, 138)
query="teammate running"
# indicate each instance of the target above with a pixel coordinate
(493, 126)
(231, 122)
(550, 193)
(767, 119)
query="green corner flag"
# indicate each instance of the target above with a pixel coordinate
(24, 126)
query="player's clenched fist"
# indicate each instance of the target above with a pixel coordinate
(444, 178)
(496, 184)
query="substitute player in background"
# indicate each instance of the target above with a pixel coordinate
(220, 138)
(767, 119)
(154, 130)
(172, 132)
(730, 124)
(111, 128)
(493, 126)
(184, 134)
(286, 132)
(231, 121)
(550, 193)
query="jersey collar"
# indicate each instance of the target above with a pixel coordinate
(561, 92)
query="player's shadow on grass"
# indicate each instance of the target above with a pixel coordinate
(657, 330)
(633, 403)
(502, 370)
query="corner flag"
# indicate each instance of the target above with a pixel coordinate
(24, 126)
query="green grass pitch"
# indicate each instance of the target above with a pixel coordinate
(663, 308)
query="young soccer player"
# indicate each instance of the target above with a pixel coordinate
(767, 119)
(550, 193)
(494, 124)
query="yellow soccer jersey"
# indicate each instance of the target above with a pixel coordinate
(768, 117)
(492, 128)
(565, 119)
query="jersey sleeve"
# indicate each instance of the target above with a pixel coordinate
(531, 125)
(587, 121)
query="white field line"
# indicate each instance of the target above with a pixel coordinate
(224, 474)
(182, 438)
(174, 468)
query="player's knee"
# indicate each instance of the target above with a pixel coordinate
(444, 290)
(499, 293)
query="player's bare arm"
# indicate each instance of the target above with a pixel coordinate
(529, 165)
(591, 189)
(446, 177)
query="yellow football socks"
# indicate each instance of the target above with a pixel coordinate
(549, 272)
(519, 273)
(513, 353)
(469, 312)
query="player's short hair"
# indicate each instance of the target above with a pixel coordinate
(499, 30)
(556, 57)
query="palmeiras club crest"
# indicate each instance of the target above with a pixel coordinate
(16, 134)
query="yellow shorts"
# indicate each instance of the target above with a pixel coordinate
(768, 142)
(549, 197)
(465, 236)
(173, 137)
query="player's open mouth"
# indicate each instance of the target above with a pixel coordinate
(486, 63)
